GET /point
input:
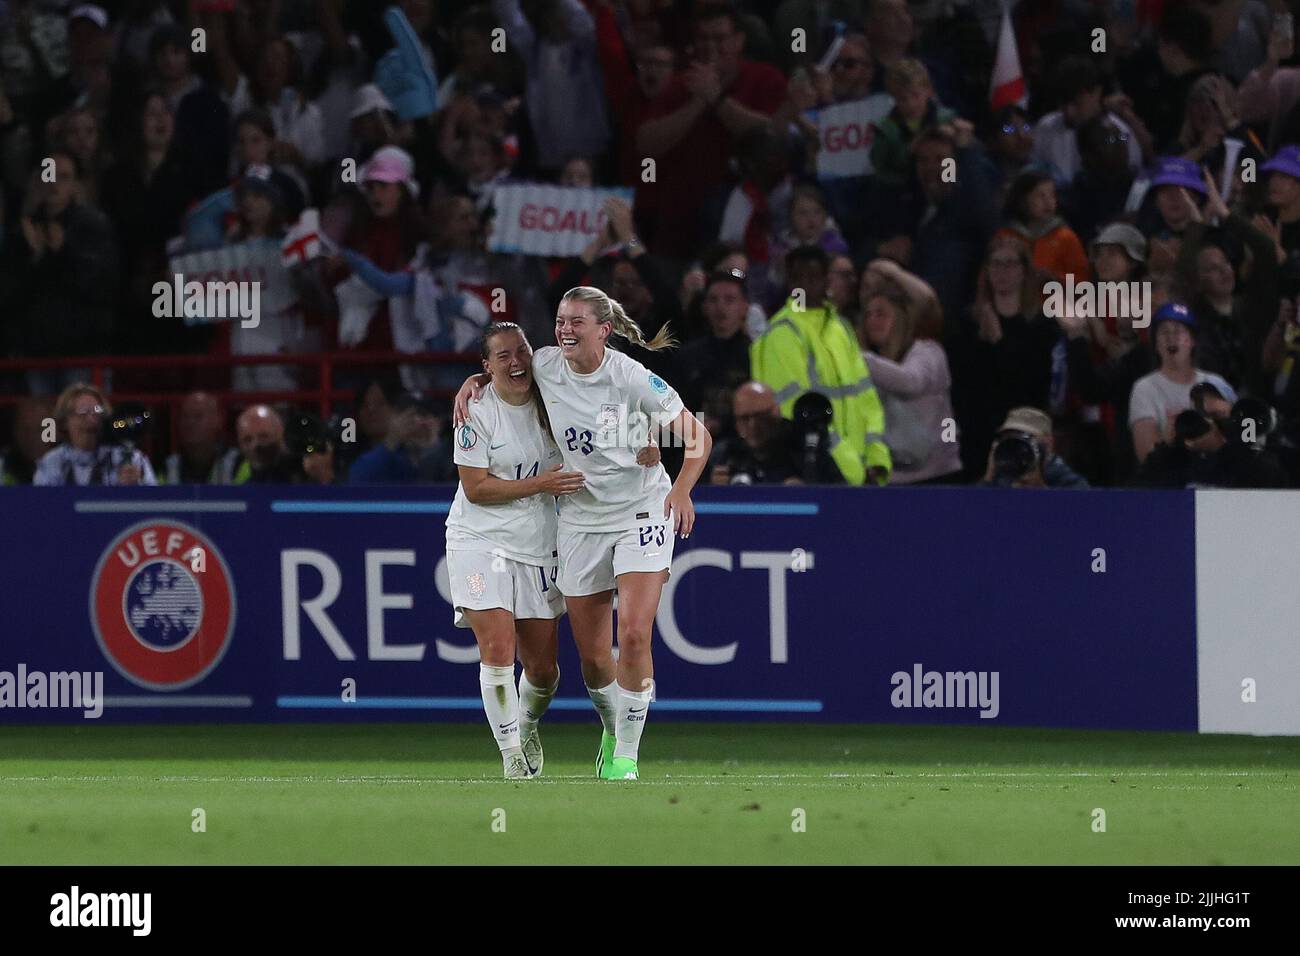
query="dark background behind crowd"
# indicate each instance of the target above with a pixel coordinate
(1165, 154)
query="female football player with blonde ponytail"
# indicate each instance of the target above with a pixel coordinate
(616, 531)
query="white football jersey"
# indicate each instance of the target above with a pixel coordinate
(509, 441)
(600, 421)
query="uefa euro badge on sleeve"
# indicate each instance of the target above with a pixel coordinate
(467, 438)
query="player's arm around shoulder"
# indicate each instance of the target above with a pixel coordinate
(473, 442)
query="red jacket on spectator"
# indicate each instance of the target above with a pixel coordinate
(690, 173)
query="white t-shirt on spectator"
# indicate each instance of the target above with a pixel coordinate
(1057, 144)
(1157, 397)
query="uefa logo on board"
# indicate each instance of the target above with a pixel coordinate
(162, 605)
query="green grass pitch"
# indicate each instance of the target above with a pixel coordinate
(710, 793)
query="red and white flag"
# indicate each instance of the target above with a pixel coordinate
(1008, 86)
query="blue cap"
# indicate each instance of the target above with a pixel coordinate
(1174, 312)
(1287, 160)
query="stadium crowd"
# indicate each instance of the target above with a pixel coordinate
(895, 324)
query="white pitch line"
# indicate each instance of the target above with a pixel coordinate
(669, 780)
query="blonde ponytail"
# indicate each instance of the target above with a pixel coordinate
(609, 310)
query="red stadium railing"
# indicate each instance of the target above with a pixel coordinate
(324, 394)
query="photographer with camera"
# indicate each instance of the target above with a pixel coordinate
(1024, 454)
(768, 449)
(1217, 445)
(86, 456)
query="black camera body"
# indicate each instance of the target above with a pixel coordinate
(1016, 456)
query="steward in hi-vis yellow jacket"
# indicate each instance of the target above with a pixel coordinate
(814, 350)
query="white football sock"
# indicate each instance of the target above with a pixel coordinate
(533, 702)
(606, 701)
(501, 703)
(633, 708)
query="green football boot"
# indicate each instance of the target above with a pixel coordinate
(606, 752)
(619, 768)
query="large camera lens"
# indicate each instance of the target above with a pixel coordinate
(1014, 457)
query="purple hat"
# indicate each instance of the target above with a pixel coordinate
(1175, 171)
(1286, 161)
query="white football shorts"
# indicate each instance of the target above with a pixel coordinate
(481, 580)
(590, 561)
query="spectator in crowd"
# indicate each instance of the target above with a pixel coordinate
(369, 420)
(202, 458)
(1105, 355)
(264, 454)
(1233, 317)
(1031, 217)
(275, 87)
(808, 347)
(634, 78)
(756, 210)
(386, 232)
(810, 225)
(1017, 341)
(853, 71)
(145, 193)
(32, 416)
(1011, 141)
(60, 287)
(413, 449)
(1164, 220)
(1214, 136)
(718, 257)
(89, 81)
(478, 64)
(1269, 92)
(201, 118)
(911, 374)
(1159, 84)
(82, 457)
(77, 132)
(1240, 35)
(1024, 454)
(950, 226)
(720, 359)
(1158, 397)
(1056, 143)
(1099, 191)
(1284, 199)
(372, 121)
(915, 110)
(693, 127)
(564, 85)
